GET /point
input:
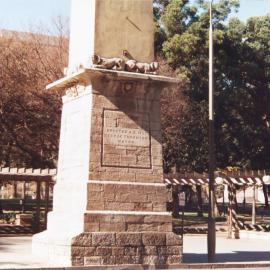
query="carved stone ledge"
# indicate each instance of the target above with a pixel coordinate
(85, 76)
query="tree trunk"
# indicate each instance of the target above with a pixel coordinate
(175, 202)
(199, 197)
(15, 193)
(266, 203)
(1, 207)
(235, 199)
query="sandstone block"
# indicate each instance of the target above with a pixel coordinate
(112, 227)
(103, 239)
(154, 239)
(119, 206)
(174, 259)
(103, 251)
(108, 260)
(156, 218)
(77, 261)
(91, 227)
(128, 239)
(150, 260)
(78, 251)
(174, 250)
(159, 207)
(116, 251)
(132, 251)
(166, 227)
(89, 251)
(134, 218)
(169, 250)
(141, 227)
(95, 187)
(82, 240)
(95, 205)
(150, 250)
(128, 259)
(143, 206)
(173, 239)
(92, 260)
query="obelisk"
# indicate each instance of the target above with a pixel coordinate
(110, 198)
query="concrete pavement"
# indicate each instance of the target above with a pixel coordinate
(227, 250)
(15, 252)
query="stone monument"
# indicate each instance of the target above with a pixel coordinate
(110, 198)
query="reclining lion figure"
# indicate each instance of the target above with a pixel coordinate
(146, 68)
(108, 63)
(121, 65)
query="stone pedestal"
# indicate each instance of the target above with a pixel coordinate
(110, 196)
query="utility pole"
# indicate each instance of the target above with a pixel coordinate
(211, 236)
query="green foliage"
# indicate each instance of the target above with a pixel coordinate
(242, 93)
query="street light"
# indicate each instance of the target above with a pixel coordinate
(211, 235)
(266, 179)
(219, 180)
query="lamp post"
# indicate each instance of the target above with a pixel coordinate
(211, 236)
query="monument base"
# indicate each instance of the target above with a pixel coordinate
(110, 198)
(112, 238)
(151, 248)
(110, 248)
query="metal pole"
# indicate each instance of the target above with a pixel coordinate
(38, 206)
(254, 206)
(244, 201)
(211, 236)
(47, 198)
(23, 199)
(230, 212)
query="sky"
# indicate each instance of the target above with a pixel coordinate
(22, 15)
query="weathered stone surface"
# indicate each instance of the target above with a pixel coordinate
(169, 250)
(150, 250)
(132, 251)
(108, 24)
(103, 239)
(126, 197)
(108, 260)
(154, 239)
(78, 261)
(78, 252)
(151, 260)
(92, 227)
(128, 259)
(89, 251)
(174, 259)
(103, 251)
(82, 240)
(173, 240)
(116, 251)
(128, 239)
(112, 227)
(92, 260)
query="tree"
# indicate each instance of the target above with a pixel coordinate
(29, 116)
(241, 83)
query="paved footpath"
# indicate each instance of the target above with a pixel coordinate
(227, 250)
(15, 252)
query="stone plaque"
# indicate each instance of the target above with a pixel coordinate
(126, 140)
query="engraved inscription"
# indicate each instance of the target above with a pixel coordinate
(126, 140)
(126, 137)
